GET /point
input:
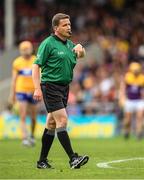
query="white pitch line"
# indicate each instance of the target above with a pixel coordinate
(106, 164)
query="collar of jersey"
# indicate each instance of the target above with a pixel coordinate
(57, 38)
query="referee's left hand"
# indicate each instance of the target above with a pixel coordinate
(78, 49)
(38, 95)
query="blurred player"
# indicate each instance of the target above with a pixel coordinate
(131, 97)
(22, 89)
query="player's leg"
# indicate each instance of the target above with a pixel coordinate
(139, 123)
(127, 124)
(33, 114)
(139, 106)
(23, 114)
(128, 112)
(47, 140)
(61, 119)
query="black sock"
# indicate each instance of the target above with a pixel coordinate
(65, 141)
(47, 140)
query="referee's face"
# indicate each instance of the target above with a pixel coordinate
(64, 28)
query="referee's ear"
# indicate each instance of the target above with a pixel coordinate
(55, 28)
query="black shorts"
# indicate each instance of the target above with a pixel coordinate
(55, 96)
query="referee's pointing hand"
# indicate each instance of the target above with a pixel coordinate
(78, 49)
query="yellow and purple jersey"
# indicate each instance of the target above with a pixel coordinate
(23, 68)
(134, 85)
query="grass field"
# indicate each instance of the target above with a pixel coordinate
(19, 162)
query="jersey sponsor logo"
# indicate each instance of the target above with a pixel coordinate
(25, 72)
(60, 52)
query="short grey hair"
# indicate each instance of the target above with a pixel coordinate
(57, 17)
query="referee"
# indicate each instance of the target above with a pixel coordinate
(56, 58)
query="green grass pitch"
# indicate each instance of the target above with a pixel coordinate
(17, 162)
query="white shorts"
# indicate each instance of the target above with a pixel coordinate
(133, 105)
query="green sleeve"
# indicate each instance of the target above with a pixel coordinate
(43, 53)
(73, 45)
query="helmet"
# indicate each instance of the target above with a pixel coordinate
(135, 67)
(25, 48)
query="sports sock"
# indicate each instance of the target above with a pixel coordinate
(65, 141)
(47, 140)
(33, 125)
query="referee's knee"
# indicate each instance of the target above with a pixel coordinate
(51, 124)
(61, 122)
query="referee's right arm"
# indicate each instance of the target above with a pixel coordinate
(40, 61)
(36, 81)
